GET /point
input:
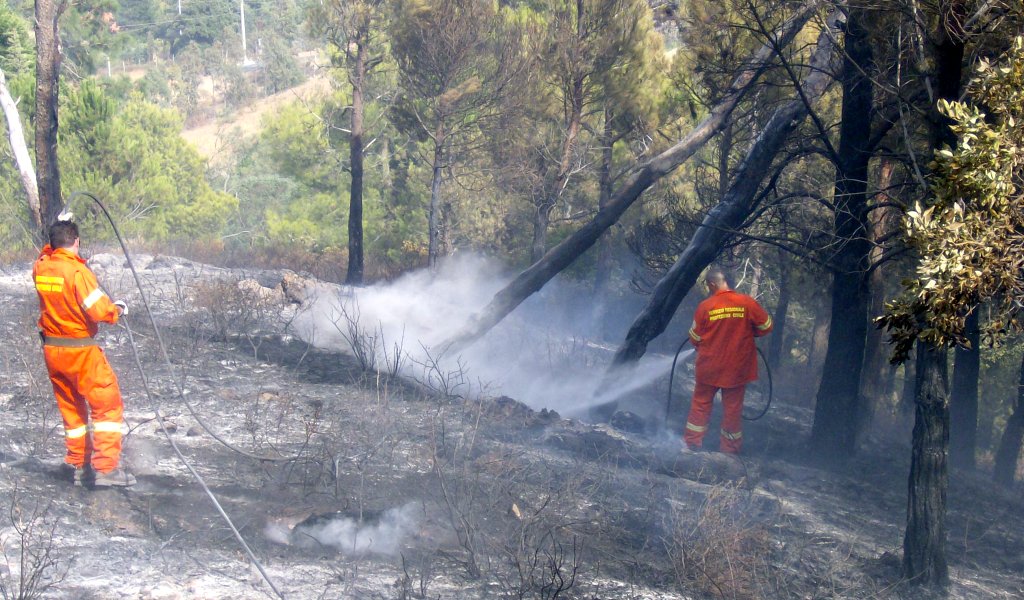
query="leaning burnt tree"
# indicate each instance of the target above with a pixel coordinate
(729, 216)
(643, 177)
(48, 62)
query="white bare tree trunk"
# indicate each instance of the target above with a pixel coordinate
(22, 160)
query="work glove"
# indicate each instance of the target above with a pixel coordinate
(123, 306)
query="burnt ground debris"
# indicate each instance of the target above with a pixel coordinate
(398, 492)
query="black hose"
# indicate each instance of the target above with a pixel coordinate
(768, 403)
(153, 403)
(672, 373)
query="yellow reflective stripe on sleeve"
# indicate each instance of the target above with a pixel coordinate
(697, 428)
(76, 432)
(693, 331)
(767, 324)
(46, 283)
(92, 298)
(107, 427)
(732, 436)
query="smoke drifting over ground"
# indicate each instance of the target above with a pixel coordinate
(544, 354)
(385, 536)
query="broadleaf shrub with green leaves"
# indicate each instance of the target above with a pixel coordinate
(970, 238)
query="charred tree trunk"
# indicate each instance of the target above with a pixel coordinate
(602, 272)
(728, 216)
(541, 220)
(1009, 447)
(834, 432)
(574, 120)
(876, 378)
(924, 544)
(434, 218)
(573, 87)
(724, 149)
(818, 346)
(986, 425)
(643, 177)
(963, 405)
(19, 150)
(907, 393)
(48, 62)
(354, 275)
(775, 342)
(603, 268)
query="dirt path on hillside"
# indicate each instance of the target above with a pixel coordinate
(217, 140)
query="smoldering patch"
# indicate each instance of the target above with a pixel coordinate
(381, 533)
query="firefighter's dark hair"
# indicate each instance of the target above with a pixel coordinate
(715, 273)
(63, 234)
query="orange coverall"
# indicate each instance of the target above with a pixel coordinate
(723, 332)
(71, 306)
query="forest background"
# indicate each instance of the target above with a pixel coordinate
(508, 128)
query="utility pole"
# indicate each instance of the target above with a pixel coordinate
(241, 14)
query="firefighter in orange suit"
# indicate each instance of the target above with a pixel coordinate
(723, 332)
(72, 305)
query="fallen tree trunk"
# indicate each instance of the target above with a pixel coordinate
(730, 213)
(22, 159)
(644, 176)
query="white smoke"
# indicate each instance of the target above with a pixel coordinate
(543, 354)
(351, 537)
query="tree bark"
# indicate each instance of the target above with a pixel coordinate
(963, 406)
(602, 271)
(775, 344)
(434, 218)
(876, 378)
(1010, 445)
(542, 216)
(907, 393)
(924, 544)
(541, 220)
(724, 149)
(48, 63)
(836, 418)
(19, 149)
(574, 120)
(354, 274)
(644, 176)
(728, 216)
(818, 346)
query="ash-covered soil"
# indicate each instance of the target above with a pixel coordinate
(349, 482)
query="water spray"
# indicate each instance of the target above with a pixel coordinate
(672, 373)
(66, 214)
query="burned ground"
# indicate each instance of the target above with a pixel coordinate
(375, 485)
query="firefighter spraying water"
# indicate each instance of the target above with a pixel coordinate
(723, 331)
